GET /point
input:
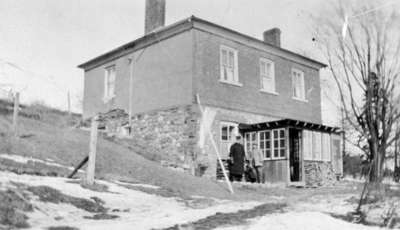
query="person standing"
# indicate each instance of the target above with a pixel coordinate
(237, 157)
(255, 158)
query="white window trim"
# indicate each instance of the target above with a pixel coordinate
(273, 145)
(269, 92)
(227, 123)
(262, 89)
(257, 142)
(323, 156)
(327, 156)
(107, 97)
(303, 85)
(235, 82)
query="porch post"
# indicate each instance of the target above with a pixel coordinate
(287, 155)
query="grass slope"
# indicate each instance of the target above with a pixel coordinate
(69, 146)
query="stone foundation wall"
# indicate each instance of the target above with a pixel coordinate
(168, 136)
(171, 133)
(318, 173)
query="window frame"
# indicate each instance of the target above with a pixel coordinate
(272, 76)
(228, 124)
(235, 68)
(248, 141)
(326, 147)
(107, 95)
(295, 73)
(272, 144)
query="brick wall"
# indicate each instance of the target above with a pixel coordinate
(249, 98)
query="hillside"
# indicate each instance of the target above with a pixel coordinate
(54, 139)
(132, 189)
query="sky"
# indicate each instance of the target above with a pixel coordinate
(43, 41)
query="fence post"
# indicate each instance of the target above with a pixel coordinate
(15, 115)
(92, 151)
(69, 103)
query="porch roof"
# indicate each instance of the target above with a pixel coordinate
(288, 123)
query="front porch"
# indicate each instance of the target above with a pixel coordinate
(295, 152)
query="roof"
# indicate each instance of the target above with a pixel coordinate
(288, 123)
(177, 28)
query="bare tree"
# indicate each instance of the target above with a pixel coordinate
(363, 59)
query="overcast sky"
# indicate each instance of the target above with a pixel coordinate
(49, 38)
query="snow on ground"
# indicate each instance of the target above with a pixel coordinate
(146, 211)
(299, 221)
(137, 184)
(24, 160)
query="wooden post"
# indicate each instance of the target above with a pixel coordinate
(92, 152)
(208, 131)
(15, 115)
(69, 103)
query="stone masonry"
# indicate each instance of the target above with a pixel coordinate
(172, 134)
(318, 173)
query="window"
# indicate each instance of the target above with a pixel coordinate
(109, 83)
(267, 75)
(228, 131)
(265, 144)
(326, 147)
(307, 145)
(279, 143)
(316, 144)
(250, 139)
(273, 143)
(229, 65)
(298, 84)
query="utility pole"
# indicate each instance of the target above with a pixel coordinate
(131, 62)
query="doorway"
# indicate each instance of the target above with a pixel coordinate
(295, 159)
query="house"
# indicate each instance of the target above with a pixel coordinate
(255, 88)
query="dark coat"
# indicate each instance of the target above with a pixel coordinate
(237, 156)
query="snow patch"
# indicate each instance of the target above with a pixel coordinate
(299, 221)
(24, 160)
(146, 211)
(136, 184)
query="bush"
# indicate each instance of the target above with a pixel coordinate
(352, 165)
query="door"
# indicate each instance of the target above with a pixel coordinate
(295, 159)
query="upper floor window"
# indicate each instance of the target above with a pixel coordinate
(229, 65)
(267, 75)
(109, 83)
(298, 84)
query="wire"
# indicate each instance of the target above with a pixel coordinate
(374, 9)
(31, 73)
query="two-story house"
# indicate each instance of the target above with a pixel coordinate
(250, 87)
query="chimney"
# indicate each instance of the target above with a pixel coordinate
(273, 37)
(155, 15)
